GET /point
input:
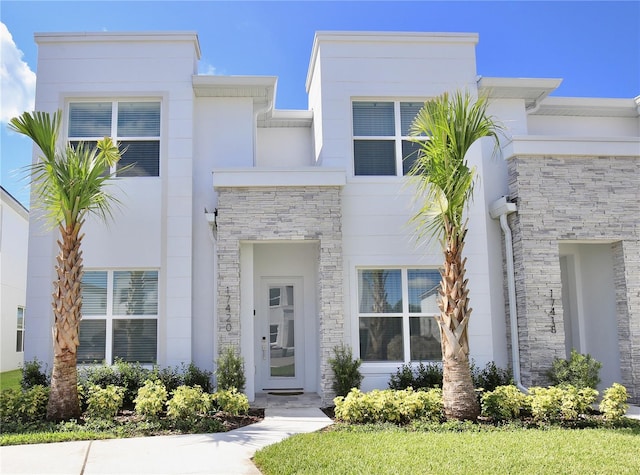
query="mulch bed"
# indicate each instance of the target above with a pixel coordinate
(235, 422)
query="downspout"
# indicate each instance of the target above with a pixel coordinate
(501, 208)
(260, 110)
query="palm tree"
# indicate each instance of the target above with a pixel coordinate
(67, 184)
(447, 126)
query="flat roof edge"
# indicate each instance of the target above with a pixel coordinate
(399, 35)
(84, 36)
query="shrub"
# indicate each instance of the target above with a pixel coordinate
(231, 401)
(230, 370)
(194, 376)
(503, 403)
(429, 375)
(397, 406)
(82, 396)
(577, 401)
(151, 398)
(490, 377)
(99, 375)
(23, 406)
(33, 375)
(187, 403)
(403, 379)
(104, 403)
(546, 403)
(560, 402)
(131, 376)
(581, 371)
(345, 370)
(423, 376)
(169, 377)
(614, 402)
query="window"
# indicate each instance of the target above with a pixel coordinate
(381, 136)
(274, 296)
(396, 310)
(134, 125)
(119, 316)
(20, 330)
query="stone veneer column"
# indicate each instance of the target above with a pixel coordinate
(282, 214)
(569, 198)
(540, 324)
(626, 274)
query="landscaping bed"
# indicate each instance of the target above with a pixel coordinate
(126, 400)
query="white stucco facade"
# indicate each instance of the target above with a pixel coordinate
(252, 204)
(14, 233)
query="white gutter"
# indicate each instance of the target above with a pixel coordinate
(501, 208)
(264, 109)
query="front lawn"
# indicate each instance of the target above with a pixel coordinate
(511, 450)
(10, 379)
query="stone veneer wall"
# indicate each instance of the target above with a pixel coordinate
(573, 198)
(283, 214)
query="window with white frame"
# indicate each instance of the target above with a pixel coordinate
(396, 314)
(20, 330)
(134, 125)
(381, 142)
(119, 316)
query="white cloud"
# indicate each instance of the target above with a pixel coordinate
(18, 82)
(206, 68)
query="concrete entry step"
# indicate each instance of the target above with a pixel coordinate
(286, 399)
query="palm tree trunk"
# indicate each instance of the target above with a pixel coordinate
(460, 401)
(67, 304)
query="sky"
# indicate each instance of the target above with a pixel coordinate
(593, 46)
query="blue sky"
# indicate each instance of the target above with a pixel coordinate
(593, 46)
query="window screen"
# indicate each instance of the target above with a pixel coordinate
(135, 126)
(90, 119)
(120, 316)
(389, 302)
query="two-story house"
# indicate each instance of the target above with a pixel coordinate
(285, 233)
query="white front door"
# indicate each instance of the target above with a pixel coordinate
(280, 334)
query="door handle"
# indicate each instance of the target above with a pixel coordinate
(264, 348)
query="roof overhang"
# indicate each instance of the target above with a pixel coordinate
(286, 118)
(262, 89)
(532, 90)
(589, 106)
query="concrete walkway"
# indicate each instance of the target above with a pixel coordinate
(633, 412)
(222, 453)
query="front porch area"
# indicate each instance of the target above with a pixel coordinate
(280, 286)
(287, 400)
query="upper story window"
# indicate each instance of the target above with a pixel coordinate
(134, 125)
(381, 142)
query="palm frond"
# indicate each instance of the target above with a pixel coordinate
(452, 124)
(68, 183)
(41, 127)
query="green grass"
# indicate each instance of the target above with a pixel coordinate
(10, 379)
(531, 451)
(50, 437)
